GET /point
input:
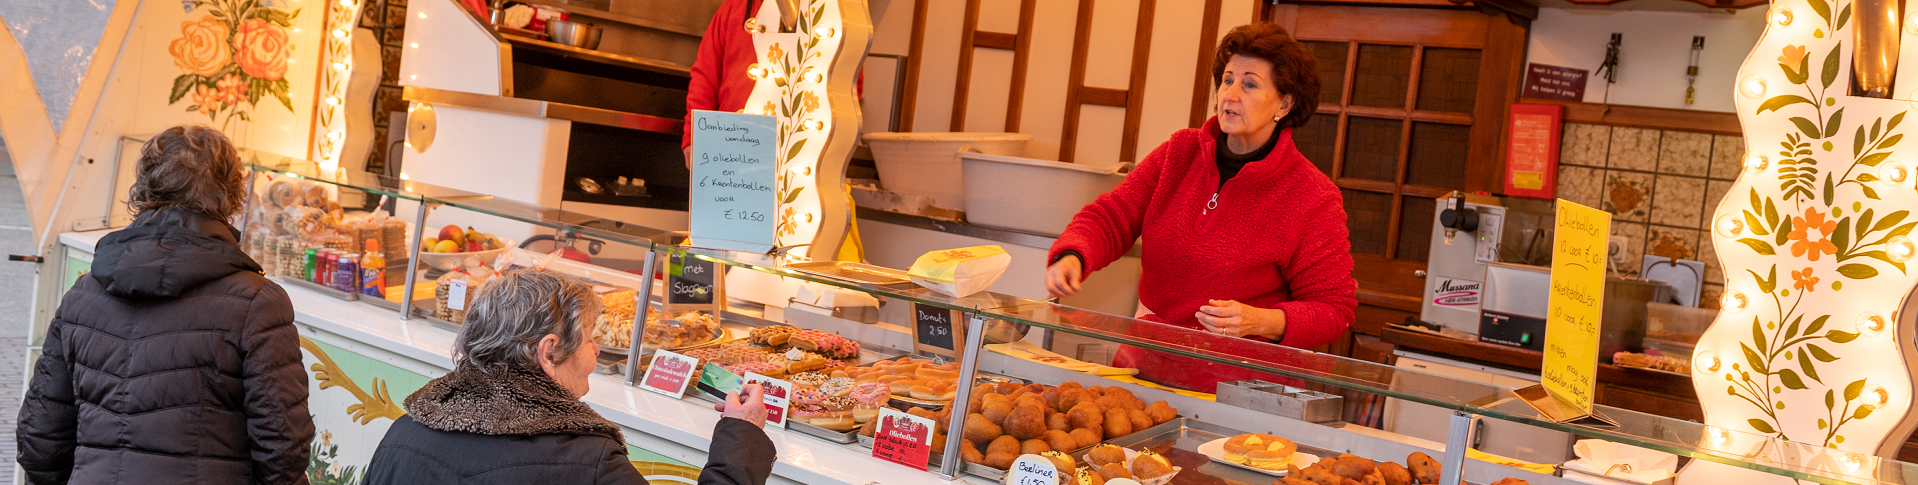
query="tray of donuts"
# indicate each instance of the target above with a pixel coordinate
(1010, 419)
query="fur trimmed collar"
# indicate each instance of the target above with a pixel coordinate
(505, 400)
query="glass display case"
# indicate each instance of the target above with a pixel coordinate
(430, 247)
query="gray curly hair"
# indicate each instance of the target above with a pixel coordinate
(511, 313)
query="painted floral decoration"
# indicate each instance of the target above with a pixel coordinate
(1811, 235)
(233, 55)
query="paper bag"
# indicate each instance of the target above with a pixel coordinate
(960, 272)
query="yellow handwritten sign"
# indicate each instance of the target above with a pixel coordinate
(1576, 303)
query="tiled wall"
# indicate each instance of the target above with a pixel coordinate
(1660, 186)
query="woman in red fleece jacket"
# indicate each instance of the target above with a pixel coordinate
(1243, 236)
(719, 80)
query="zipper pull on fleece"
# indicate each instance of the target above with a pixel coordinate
(1212, 204)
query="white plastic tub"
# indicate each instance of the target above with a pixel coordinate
(1030, 195)
(926, 165)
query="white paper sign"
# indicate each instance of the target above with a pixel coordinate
(669, 374)
(456, 294)
(1032, 469)
(735, 179)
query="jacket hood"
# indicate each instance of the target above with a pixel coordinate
(166, 252)
(505, 400)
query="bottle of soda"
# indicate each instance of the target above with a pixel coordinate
(373, 270)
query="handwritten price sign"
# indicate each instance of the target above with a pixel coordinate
(734, 172)
(902, 438)
(1033, 470)
(1579, 251)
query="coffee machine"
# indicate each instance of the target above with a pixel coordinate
(1465, 237)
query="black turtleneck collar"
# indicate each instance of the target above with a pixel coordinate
(1230, 163)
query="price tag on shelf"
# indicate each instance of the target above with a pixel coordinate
(934, 330)
(456, 294)
(902, 438)
(1033, 469)
(778, 397)
(735, 177)
(669, 373)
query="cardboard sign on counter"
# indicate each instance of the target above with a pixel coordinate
(1033, 470)
(902, 438)
(669, 373)
(1576, 301)
(778, 397)
(735, 173)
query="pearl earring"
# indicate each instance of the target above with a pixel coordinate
(1275, 118)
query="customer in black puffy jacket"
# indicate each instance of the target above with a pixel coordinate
(509, 412)
(174, 361)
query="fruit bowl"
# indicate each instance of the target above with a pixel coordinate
(451, 261)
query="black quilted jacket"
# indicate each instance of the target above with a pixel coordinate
(173, 362)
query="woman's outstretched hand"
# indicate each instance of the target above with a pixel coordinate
(1064, 276)
(748, 403)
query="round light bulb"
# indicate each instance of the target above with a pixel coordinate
(1781, 15)
(816, 125)
(404, 176)
(332, 101)
(753, 27)
(815, 78)
(1706, 363)
(1733, 302)
(1853, 461)
(342, 34)
(1752, 87)
(422, 14)
(809, 217)
(334, 135)
(1910, 26)
(1892, 174)
(1756, 162)
(1876, 395)
(827, 32)
(752, 71)
(414, 45)
(1900, 249)
(412, 76)
(346, 3)
(1729, 225)
(1870, 324)
(1721, 436)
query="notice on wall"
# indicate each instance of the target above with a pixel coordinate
(1531, 162)
(735, 170)
(1554, 82)
(1575, 304)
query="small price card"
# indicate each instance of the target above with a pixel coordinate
(669, 374)
(778, 397)
(902, 438)
(1033, 470)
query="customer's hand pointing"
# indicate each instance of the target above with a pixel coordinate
(748, 403)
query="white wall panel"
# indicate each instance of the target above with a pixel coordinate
(1000, 15)
(1048, 66)
(1109, 60)
(991, 89)
(939, 66)
(1168, 86)
(1100, 128)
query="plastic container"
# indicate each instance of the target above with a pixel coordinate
(1032, 195)
(927, 164)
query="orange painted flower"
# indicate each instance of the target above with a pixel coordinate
(810, 100)
(774, 53)
(1803, 280)
(262, 49)
(1811, 235)
(202, 47)
(1792, 56)
(207, 99)
(232, 89)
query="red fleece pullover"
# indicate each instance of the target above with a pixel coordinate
(1275, 239)
(719, 81)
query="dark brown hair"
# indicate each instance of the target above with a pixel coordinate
(1294, 70)
(189, 166)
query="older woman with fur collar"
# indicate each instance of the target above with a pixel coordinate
(509, 413)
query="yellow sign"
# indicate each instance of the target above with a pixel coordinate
(1576, 303)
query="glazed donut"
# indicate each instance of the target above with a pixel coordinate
(806, 411)
(839, 404)
(837, 386)
(870, 393)
(807, 395)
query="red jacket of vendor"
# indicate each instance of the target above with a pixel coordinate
(1276, 239)
(719, 81)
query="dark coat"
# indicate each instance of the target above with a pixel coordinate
(174, 361)
(515, 426)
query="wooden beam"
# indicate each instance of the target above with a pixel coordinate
(1075, 81)
(1501, 66)
(1104, 96)
(913, 61)
(995, 40)
(963, 88)
(1021, 56)
(1141, 62)
(1202, 69)
(1717, 123)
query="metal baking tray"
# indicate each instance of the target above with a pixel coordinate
(792, 424)
(850, 271)
(1179, 441)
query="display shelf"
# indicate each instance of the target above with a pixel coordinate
(628, 246)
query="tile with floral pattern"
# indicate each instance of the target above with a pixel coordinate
(1672, 243)
(1627, 195)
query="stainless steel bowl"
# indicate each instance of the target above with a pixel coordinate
(1002, 331)
(584, 36)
